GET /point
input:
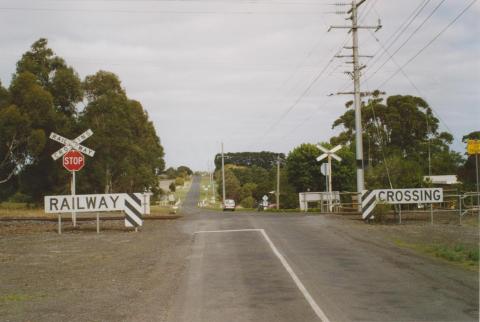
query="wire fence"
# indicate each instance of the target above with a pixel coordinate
(455, 208)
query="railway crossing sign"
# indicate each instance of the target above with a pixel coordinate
(133, 205)
(72, 144)
(329, 154)
(370, 198)
(73, 160)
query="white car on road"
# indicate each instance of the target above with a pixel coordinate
(229, 204)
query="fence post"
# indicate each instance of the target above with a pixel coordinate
(431, 214)
(400, 214)
(460, 207)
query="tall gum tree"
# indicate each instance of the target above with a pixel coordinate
(131, 161)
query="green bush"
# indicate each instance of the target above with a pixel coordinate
(248, 202)
(19, 197)
(473, 255)
(179, 181)
(380, 212)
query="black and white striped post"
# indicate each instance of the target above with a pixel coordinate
(369, 201)
(134, 209)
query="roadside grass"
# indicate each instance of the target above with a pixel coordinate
(166, 207)
(160, 210)
(21, 210)
(14, 209)
(471, 221)
(206, 193)
(14, 298)
(463, 255)
(181, 191)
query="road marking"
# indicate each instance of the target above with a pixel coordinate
(225, 231)
(318, 311)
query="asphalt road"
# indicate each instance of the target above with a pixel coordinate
(252, 267)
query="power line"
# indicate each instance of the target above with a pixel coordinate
(303, 94)
(409, 80)
(167, 12)
(309, 117)
(399, 31)
(242, 2)
(409, 37)
(429, 43)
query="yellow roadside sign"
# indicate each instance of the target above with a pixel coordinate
(473, 147)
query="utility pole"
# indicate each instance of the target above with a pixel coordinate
(356, 92)
(223, 177)
(212, 182)
(278, 182)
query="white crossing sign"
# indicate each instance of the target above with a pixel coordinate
(135, 205)
(370, 198)
(72, 144)
(329, 154)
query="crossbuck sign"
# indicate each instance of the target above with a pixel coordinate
(329, 154)
(72, 144)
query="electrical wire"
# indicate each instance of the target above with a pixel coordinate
(409, 80)
(399, 31)
(429, 43)
(166, 12)
(409, 37)
(309, 117)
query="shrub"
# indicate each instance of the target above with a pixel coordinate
(20, 198)
(179, 181)
(172, 187)
(248, 202)
(473, 255)
(380, 212)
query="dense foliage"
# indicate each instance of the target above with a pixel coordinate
(400, 135)
(402, 144)
(180, 172)
(44, 96)
(263, 159)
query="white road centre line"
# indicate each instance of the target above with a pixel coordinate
(318, 311)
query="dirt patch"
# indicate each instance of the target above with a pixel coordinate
(82, 276)
(445, 240)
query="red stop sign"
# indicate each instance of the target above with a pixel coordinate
(73, 160)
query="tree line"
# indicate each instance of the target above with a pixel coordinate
(46, 95)
(402, 144)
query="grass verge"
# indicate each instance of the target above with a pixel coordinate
(465, 256)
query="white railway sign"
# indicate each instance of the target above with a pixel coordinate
(72, 144)
(135, 205)
(370, 198)
(329, 154)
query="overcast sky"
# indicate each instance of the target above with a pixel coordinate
(229, 70)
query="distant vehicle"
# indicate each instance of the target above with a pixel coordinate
(229, 204)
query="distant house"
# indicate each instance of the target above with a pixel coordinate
(442, 180)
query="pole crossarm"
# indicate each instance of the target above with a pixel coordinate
(362, 94)
(350, 56)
